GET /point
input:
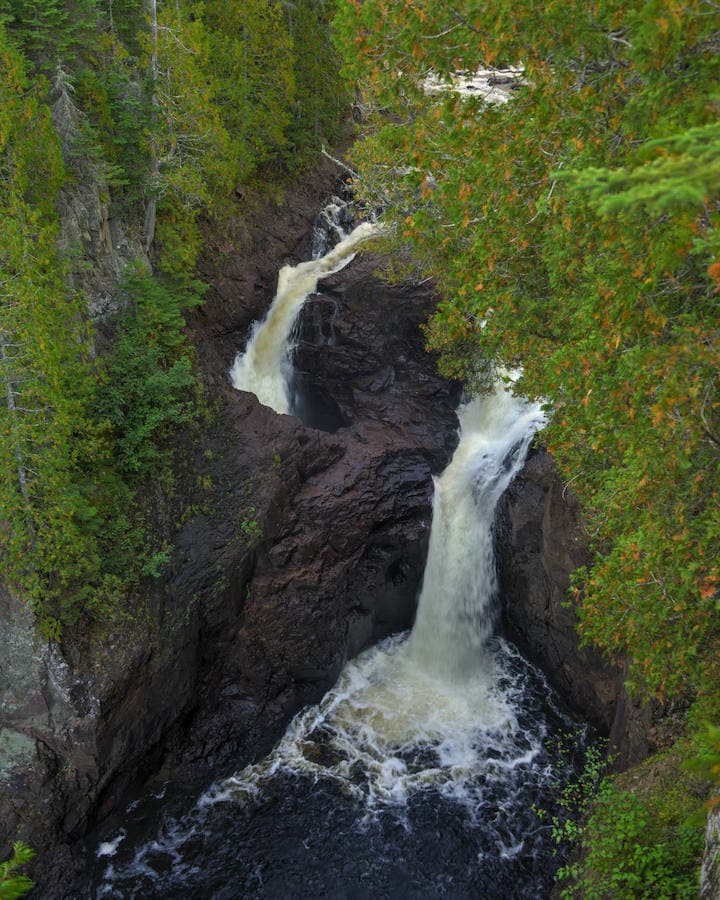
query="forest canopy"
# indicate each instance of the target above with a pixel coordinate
(573, 231)
(168, 112)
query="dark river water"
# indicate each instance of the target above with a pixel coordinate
(309, 821)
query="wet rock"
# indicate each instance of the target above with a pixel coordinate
(345, 525)
(360, 351)
(540, 540)
(293, 549)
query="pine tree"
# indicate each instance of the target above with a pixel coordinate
(574, 231)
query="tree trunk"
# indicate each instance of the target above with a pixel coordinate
(151, 206)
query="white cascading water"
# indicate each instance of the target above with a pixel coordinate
(265, 368)
(332, 225)
(456, 611)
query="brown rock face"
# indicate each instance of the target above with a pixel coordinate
(540, 540)
(293, 549)
(342, 518)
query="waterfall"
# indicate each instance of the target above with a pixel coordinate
(426, 759)
(265, 367)
(456, 610)
(333, 224)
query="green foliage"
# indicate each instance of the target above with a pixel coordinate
(168, 117)
(69, 458)
(117, 116)
(178, 112)
(320, 94)
(638, 834)
(672, 173)
(237, 83)
(12, 883)
(574, 231)
(45, 369)
(704, 756)
(635, 847)
(251, 56)
(51, 30)
(574, 797)
(146, 388)
(250, 529)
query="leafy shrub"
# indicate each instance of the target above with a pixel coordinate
(12, 883)
(644, 842)
(631, 853)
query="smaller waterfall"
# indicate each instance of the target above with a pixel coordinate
(264, 368)
(334, 222)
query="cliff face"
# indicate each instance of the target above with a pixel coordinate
(298, 542)
(540, 541)
(296, 548)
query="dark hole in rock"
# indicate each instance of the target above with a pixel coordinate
(316, 407)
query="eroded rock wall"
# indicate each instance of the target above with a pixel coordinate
(540, 541)
(293, 549)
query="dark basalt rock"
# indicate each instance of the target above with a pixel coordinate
(540, 539)
(297, 548)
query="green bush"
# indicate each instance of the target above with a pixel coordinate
(645, 843)
(147, 386)
(12, 883)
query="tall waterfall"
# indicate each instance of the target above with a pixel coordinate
(265, 367)
(424, 762)
(456, 611)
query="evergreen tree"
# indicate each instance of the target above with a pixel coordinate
(574, 231)
(44, 365)
(250, 58)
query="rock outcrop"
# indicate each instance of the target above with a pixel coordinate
(296, 548)
(338, 522)
(540, 540)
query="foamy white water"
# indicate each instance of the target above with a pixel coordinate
(265, 366)
(456, 610)
(490, 85)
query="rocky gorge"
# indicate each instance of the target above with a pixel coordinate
(296, 544)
